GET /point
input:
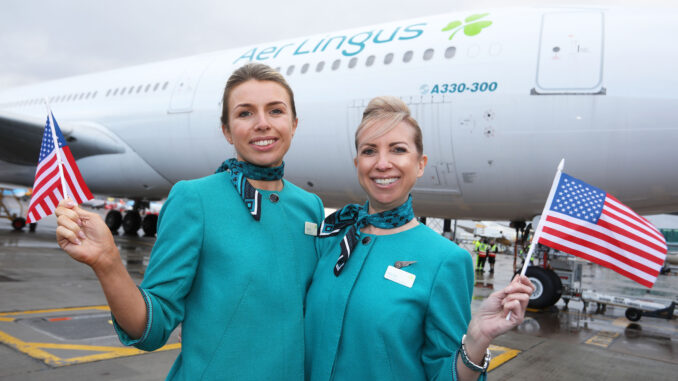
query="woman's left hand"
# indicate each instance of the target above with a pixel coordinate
(489, 321)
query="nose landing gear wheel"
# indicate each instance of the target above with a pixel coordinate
(548, 287)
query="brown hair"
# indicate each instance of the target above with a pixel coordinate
(257, 72)
(388, 112)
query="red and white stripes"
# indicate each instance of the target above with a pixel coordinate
(621, 240)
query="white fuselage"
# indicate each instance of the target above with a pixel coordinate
(498, 109)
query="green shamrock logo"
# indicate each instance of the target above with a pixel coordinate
(472, 26)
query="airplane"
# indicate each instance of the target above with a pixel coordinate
(501, 94)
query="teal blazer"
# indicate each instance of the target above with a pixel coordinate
(236, 286)
(362, 326)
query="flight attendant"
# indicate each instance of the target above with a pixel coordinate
(390, 298)
(231, 262)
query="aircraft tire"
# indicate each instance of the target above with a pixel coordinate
(557, 286)
(150, 225)
(113, 220)
(544, 294)
(18, 223)
(131, 222)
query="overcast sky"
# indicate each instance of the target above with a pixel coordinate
(48, 39)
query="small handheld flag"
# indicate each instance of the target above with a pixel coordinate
(587, 222)
(56, 175)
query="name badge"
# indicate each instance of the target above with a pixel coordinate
(310, 228)
(400, 276)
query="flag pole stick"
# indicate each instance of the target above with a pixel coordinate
(537, 232)
(57, 149)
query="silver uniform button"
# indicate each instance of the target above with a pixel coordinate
(274, 197)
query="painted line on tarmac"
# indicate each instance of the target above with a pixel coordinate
(36, 350)
(603, 339)
(40, 350)
(505, 355)
(50, 310)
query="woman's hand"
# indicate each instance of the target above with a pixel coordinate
(85, 236)
(490, 319)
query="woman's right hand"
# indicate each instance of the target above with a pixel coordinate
(85, 236)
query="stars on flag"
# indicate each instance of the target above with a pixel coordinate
(578, 199)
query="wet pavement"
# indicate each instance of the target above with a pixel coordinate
(54, 323)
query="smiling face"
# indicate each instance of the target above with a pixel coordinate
(388, 165)
(260, 122)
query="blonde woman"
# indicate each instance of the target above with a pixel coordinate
(390, 298)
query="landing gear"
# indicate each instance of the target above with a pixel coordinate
(548, 287)
(150, 225)
(114, 220)
(131, 222)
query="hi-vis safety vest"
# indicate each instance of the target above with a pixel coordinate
(482, 250)
(493, 251)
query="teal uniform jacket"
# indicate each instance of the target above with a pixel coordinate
(237, 286)
(362, 326)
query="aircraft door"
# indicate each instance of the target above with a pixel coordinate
(571, 53)
(434, 116)
(186, 85)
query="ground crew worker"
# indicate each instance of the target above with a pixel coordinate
(476, 246)
(482, 256)
(492, 256)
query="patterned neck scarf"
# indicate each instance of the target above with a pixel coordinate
(241, 171)
(357, 217)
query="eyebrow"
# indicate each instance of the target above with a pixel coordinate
(390, 144)
(274, 103)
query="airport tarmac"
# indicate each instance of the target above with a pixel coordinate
(54, 323)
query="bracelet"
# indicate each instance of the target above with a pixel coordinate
(470, 364)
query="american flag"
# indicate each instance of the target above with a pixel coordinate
(585, 221)
(47, 189)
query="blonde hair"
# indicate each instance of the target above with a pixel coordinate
(382, 115)
(258, 72)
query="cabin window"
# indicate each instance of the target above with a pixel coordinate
(139, 88)
(290, 70)
(108, 92)
(352, 62)
(164, 86)
(319, 67)
(304, 68)
(388, 59)
(428, 54)
(369, 61)
(450, 52)
(335, 64)
(155, 88)
(407, 57)
(115, 92)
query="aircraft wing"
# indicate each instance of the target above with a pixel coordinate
(21, 136)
